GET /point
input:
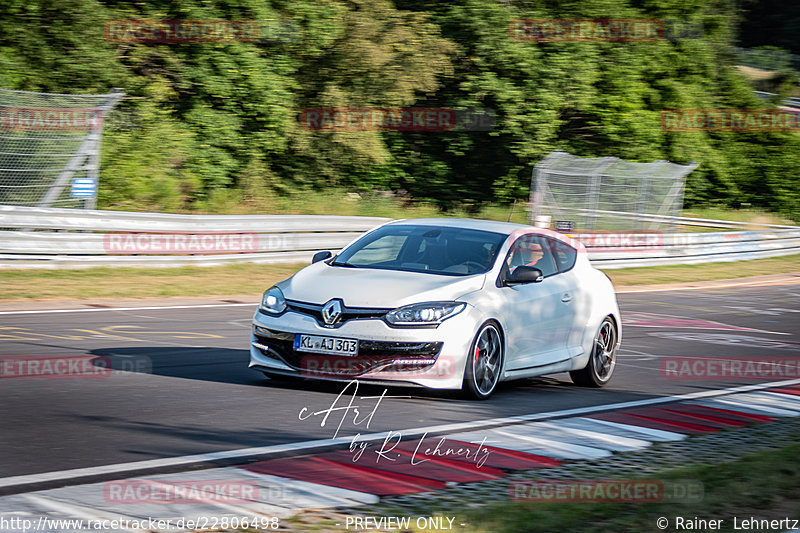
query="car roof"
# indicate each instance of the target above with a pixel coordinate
(467, 223)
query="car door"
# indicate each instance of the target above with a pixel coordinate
(575, 304)
(535, 315)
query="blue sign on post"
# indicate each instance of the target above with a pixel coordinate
(84, 187)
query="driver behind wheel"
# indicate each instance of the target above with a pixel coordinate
(524, 252)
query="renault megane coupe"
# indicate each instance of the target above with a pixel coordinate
(445, 304)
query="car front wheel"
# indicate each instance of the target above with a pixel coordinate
(484, 363)
(603, 359)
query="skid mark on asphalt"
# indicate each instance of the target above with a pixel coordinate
(651, 320)
(241, 323)
(706, 310)
(16, 333)
(729, 340)
(753, 310)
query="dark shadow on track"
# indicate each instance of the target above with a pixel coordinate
(228, 365)
(221, 365)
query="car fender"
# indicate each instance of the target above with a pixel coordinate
(603, 304)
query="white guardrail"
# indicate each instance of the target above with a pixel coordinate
(71, 238)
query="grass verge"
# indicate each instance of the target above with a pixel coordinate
(251, 279)
(106, 282)
(749, 215)
(704, 272)
(762, 485)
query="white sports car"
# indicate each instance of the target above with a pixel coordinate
(442, 303)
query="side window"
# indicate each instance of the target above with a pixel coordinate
(532, 250)
(564, 254)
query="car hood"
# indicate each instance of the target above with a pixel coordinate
(366, 287)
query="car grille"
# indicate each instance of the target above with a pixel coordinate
(373, 356)
(348, 313)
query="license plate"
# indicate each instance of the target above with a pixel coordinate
(327, 345)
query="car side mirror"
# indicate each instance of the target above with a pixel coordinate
(525, 274)
(321, 256)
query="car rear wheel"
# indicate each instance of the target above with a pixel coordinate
(484, 363)
(603, 360)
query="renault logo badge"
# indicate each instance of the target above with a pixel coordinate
(331, 312)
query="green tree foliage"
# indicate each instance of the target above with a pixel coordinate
(204, 121)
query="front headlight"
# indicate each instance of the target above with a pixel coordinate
(424, 314)
(272, 301)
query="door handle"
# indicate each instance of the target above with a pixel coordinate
(566, 298)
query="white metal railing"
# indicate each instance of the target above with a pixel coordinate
(692, 248)
(126, 221)
(69, 238)
(679, 221)
(84, 238)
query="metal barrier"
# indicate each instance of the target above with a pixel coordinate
(688, 248)
(85, 238)
(79, 238)
(673, 220)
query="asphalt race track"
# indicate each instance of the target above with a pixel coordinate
(182, 386)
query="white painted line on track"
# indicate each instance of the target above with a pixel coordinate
(650, 433)
(298, 447)
(773, 400)
(747, 407)
(521, 442)
(553, 448)
(100, 309)
(608, 440)
(220, 492)
(72, 509)
(782, 396)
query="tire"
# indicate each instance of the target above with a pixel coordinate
(603, 359)
(484, 363)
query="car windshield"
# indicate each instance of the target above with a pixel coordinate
(436, 250)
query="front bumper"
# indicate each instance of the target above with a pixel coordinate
(429, 357)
